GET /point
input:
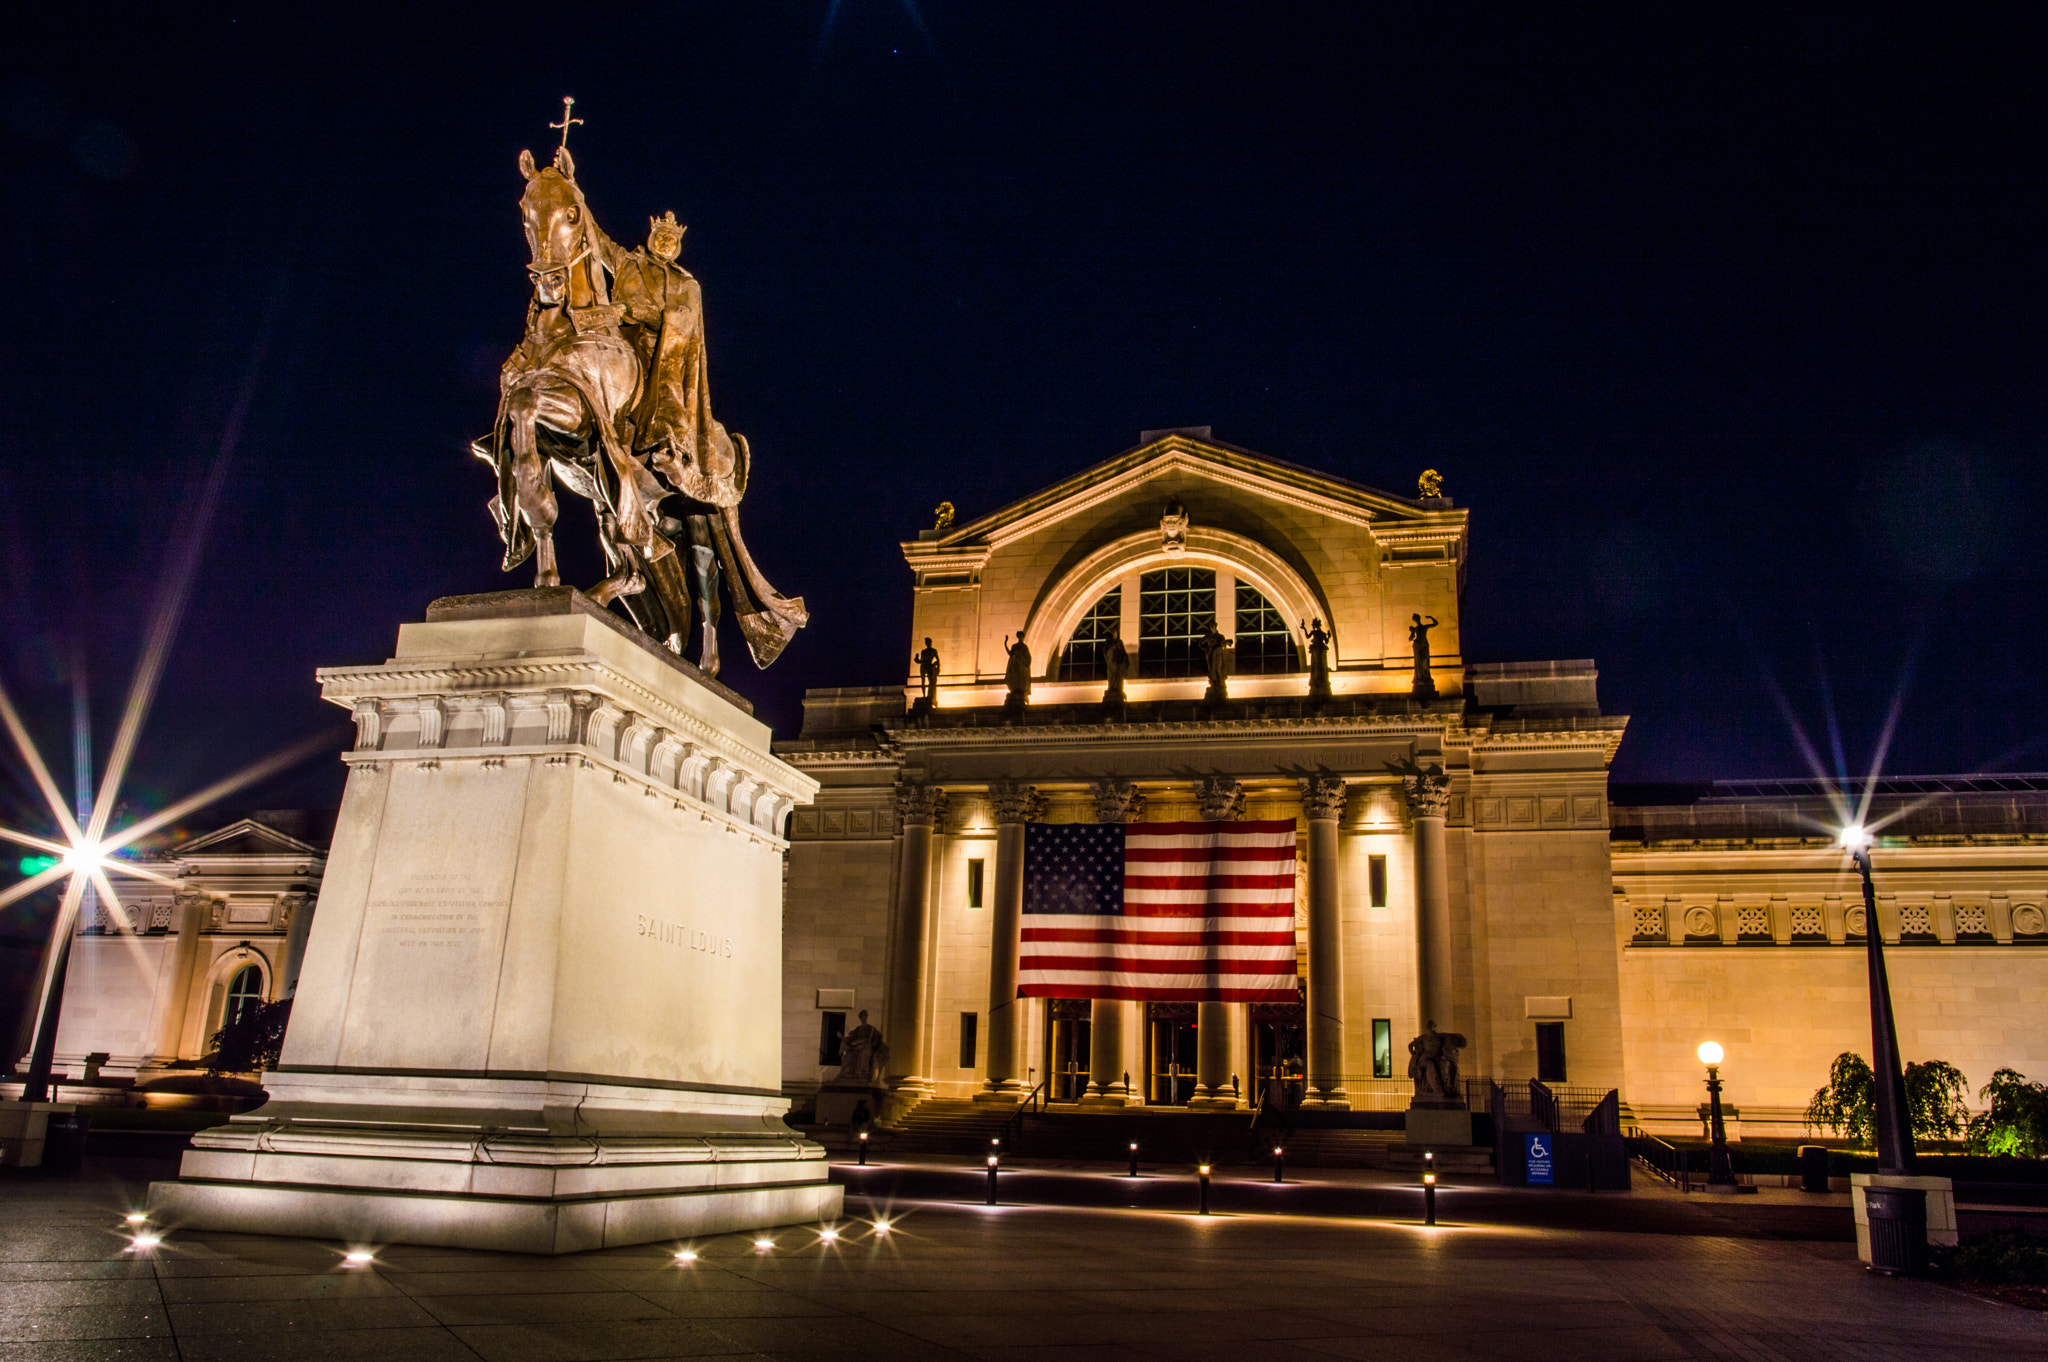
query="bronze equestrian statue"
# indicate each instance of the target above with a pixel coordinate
(608, 393)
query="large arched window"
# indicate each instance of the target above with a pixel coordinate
(245, 991)
(1265, 645)
(1086, 656)
(1175, 607)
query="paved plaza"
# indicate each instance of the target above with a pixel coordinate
(1260, 1281)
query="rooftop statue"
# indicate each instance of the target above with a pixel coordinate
(608, 393)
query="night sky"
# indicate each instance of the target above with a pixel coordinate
(1731, 337)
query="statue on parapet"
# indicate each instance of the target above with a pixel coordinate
(1424, 685)
(928, 673)
(1116, 660)
(1318, 658)
(608, 393)
(1218, 656)
(1017, 676)
(1433, 1066)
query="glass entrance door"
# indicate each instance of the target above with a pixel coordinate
(1279, 1062)
(1171, 1042)
(1066, 1050)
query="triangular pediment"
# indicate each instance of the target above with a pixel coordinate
(246, 837)
(1244, 471)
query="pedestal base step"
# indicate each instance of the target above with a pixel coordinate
(507, 1224)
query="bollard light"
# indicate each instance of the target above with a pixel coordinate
(829, 1235)
(142, 1217)
(686, 1255)
(863, 1149)
(1279, 1163)
(1134, 1158)
(1202, 1172)
(881, 1227)
(1429, 1197)
(762, 1245)
(359, 1257)
(991, 1179)
(145, 1242)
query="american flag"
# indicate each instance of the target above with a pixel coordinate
(1168, 912)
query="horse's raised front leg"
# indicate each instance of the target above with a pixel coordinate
(533, 487)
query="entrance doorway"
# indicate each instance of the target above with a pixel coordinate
(1171, 1039)
(1066, 1049)
(1279, 1058)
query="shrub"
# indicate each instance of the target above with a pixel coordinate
(2014, 1121)
(2001, 1258)
(252, 1040)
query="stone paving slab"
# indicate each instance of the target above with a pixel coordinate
(956, 1280)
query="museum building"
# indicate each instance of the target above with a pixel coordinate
(1586, 935)
(1507, 899)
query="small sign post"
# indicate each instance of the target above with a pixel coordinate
(1536, 1154)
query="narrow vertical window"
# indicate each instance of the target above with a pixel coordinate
(1376, 880)
(1550, 1052)
(1086, 656)
(1382, 1043)
(974, 874)
(831, 1031)
(970, 1027)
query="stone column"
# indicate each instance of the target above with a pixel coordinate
(1016, 805)
(1116, 801)
(1429, 795)
(1322, 800)
(919, 806)
(1222, 799)
(190, 912)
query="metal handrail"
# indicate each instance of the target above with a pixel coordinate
(1032, 1102)
(1660, 1158)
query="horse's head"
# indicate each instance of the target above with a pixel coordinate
(557, 224)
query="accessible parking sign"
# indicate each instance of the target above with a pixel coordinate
(1536, 1158)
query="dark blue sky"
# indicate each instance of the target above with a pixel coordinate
(1730, 336)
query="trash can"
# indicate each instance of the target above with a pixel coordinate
(1813, 1168)
(1898, 1230)
(64, 1141)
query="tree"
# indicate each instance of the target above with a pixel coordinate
(252, 1040)
(1847, 1105)
(2015, 1117)
(1936, 1099)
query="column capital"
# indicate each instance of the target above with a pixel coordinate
(1322, 797)
(1016, 803)
(1221, 798)
(1117, 801)
(919, 804)
(1427, 787)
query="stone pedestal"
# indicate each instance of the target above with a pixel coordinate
(539, 1009)
(1444, 1127)
(838, 1102)
(1941, 1206)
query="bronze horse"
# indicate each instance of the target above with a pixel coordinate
(593, 372)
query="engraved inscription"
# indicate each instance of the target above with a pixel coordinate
(660, 931)
(434, 911)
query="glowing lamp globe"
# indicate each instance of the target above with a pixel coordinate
(1855, 837)
(1710, 1053)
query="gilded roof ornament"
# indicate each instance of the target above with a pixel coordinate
(944, 511)
(1430, 484)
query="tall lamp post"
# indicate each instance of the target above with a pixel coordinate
(1894, 1131)
(1720, 1169)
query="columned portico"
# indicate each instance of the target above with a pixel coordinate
(918, 806)
(1322, 803)
(1015, 806)
(1116, 801)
